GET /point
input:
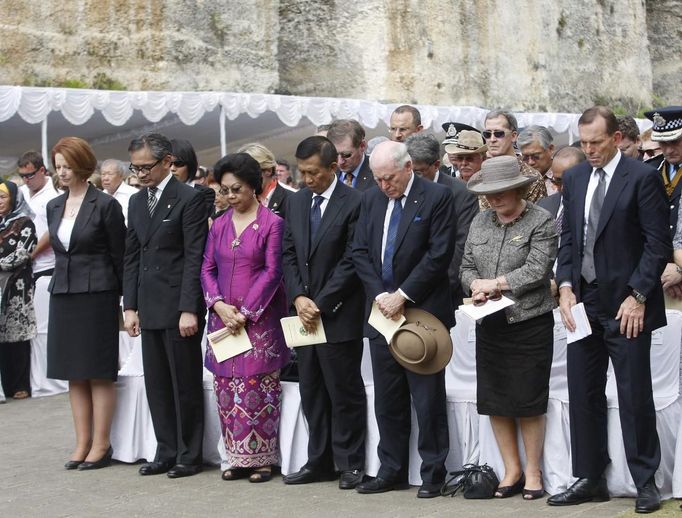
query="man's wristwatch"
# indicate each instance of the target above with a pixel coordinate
(639, 298)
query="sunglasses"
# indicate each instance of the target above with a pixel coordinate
(498, 134)
(346, 155)
(178, 163)
(224, 190)
(651, 152)
(28, 176)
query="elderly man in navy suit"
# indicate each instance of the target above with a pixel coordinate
(614, 246)
(404, 241)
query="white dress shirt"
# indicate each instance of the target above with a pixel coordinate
(38, 203)
(327, 194)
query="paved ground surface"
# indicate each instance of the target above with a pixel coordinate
(36, 437)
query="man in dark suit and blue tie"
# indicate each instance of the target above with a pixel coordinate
(324, 289)
(404, 241)
(348, 137)
(614, 246)
(163, 301)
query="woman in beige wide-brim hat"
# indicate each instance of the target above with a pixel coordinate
(510, 249)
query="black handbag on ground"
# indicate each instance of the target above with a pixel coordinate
(475, 482)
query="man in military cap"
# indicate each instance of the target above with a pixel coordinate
(667, 132)
(452, 131)
(466, 153)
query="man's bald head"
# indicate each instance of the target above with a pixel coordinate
(564, 159)
(392, 168)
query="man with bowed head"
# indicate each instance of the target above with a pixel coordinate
(163, 301)
(404, 241)
(614, 247)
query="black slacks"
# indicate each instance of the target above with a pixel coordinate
(393, 387)
(15, 367)
(587, 364)
(173, 377)
(334, 404)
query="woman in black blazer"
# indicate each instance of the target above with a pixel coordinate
(87, 234)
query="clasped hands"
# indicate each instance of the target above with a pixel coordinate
(234, 321)
(484, 289)
(630, 313)
(308, 312)
(391, 305)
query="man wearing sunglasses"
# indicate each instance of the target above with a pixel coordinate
(667, 133)
(348, 138)
(38, 190)
(501, 131)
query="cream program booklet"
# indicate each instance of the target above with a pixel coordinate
(385, 326)
(296, 335)
(226, 345)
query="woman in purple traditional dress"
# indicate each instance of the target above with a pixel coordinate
(243, 287)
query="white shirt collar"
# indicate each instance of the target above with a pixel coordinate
(163, 184)
(327, 194)
(610, 168)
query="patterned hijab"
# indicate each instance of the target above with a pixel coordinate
(19, 207)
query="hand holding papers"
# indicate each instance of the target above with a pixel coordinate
(226, 345)
(296, 335)
(582, 325)
(385, 326)
(490, 307)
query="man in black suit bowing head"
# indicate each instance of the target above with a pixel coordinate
(323, 289)
(163, 301)
(614, 246)
(404, 241)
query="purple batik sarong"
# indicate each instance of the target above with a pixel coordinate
(249, 409)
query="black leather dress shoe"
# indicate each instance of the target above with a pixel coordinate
(101, 463)
(583, 490)
(156, 467)
(429, 490)
(648, 498)
(307, 476)
(184, 470)
(350, 479)
(380, 485)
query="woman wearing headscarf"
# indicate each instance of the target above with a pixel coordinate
(17, 317)
(87, 234)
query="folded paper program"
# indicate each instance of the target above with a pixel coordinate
(296, 335)
(226, 345)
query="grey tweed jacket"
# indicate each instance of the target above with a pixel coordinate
(523, 252)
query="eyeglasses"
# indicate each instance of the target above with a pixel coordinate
(225, 191)
(346, 155)
(146, 169)
(178, 163)
(28, 176)
(534, 157)
(498, 133)
(651, 152)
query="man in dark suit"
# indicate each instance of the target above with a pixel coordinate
(348, 138)
(424, 151)
(323, 289)
(614, 247)
(404, 240)
(162, 298)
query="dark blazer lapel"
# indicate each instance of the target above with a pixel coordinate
(83, 216)
(364, 173)
(412, 205)
(330, 213)
(616, 186)
(55, 220)
(163, 208)
(276, 198)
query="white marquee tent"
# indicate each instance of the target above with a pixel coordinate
(215, 122)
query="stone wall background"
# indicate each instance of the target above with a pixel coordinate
(533, 55)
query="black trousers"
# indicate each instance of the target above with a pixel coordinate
(588, 361)
(15, 367)
(173, 377)
(334, 404)
(394, 386)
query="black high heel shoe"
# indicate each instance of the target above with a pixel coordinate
(507, 491)
(101, 463)
(73, 464)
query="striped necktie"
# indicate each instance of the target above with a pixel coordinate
(152, 201)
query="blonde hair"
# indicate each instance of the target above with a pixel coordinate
(260, 153)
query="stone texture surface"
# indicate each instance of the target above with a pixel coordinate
(523, 55)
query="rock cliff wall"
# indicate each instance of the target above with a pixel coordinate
(523, 54)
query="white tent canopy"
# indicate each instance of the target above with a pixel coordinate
(35, 118)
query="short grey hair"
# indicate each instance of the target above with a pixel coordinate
(159, 145)
(535, 133)
(423, 147)
(511, 119)
(401, 156)
(120, 166)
